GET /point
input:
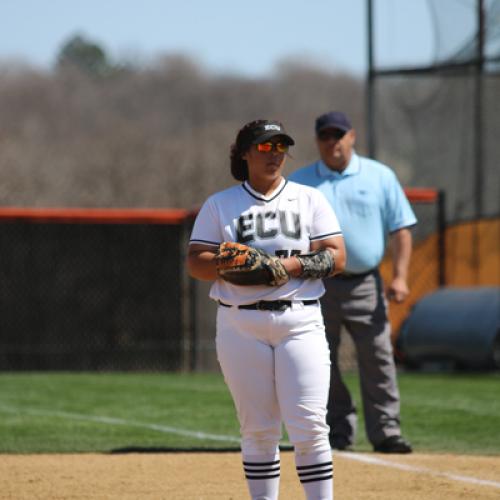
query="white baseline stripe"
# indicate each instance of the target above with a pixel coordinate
(232, 439)
(422, 470)
(119, 421)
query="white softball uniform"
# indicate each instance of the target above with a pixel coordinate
(275, 363)
(284, 223)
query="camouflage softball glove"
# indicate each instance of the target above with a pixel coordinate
(243, 265)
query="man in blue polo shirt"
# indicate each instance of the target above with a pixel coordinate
(372, 208)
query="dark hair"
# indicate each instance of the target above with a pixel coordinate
(239, 167)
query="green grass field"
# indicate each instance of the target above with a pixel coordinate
(80, 412)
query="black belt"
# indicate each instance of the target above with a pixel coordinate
(271, 305)
(351, 276)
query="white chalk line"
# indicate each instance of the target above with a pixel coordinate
(119, 421)
(232, 439)
(421, 470)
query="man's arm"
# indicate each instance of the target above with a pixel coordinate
(400, 244)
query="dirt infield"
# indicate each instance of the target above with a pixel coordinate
(210, 476)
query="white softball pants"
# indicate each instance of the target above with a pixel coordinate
(277, 367)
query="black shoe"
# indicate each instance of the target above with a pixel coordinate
(340, 443)
(393, 444)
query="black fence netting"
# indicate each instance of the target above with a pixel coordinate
(426, 128)
(431, 33)
(92, 296)
(435, 94)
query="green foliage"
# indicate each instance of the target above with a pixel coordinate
(77, 412)
(85, 55)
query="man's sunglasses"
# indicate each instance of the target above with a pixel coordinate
(333, 133)
(267, 147)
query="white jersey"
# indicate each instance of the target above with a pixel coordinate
(283, 224)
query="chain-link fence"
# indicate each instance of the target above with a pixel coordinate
(109, 291)
(93, 292)
(436, 118)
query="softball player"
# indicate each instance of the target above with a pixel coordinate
(270, 340)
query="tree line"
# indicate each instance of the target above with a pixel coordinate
(90, 132)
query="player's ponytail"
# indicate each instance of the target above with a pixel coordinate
(239, 167)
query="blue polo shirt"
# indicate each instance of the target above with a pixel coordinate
(369, 203)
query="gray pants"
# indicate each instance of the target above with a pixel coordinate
(359, 304)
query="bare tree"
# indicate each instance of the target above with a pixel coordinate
(158, 136)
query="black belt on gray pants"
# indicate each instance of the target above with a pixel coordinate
(352, 276)
(271, 305)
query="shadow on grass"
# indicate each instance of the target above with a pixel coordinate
(143, 449)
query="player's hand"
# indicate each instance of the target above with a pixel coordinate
(398, 290)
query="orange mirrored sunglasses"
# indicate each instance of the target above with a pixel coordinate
(267, 147)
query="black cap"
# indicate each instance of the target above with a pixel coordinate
(333, 119)
(262, 131)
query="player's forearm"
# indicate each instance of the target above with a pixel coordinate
(401, 245)
(322, 262)
(336, 246)
(201, 265)
(292, 266)
(339, 256)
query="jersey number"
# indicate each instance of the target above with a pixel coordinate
(283, 254)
